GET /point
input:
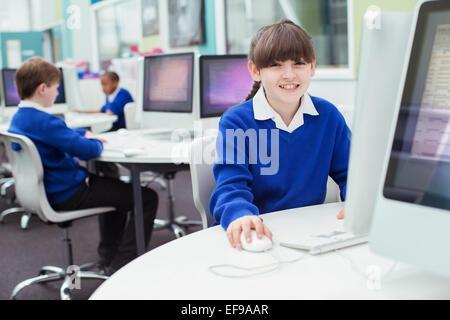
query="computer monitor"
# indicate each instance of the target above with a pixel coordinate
(61, 98)
(383, 49)
(11, 97)
(168, 82)
(224, 82)
(412, 216)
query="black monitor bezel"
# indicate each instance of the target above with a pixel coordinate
(203, 114)
(61, 83)
(390, 190)
(147, 59)
(4, 87)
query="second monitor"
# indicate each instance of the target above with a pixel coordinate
(224, 82)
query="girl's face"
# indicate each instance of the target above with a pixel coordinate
(108, 85)
(284, 82)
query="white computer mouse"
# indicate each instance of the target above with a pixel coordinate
(256, 245)
(122, 131)
(132, 152)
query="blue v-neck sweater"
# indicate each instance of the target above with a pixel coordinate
(58, 146)
(250, 182)
(117, 106)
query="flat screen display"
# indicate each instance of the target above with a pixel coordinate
(419, 164)
(225, 81)
(168, 82)
(12, 98)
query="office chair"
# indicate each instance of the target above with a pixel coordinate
(28, 172)
(201, 158)
(131, 121)
(7, 192)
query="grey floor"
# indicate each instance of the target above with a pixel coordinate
(23, 253)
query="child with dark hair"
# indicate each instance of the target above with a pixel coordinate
(68, 186)
(306, 136)
(116, 99)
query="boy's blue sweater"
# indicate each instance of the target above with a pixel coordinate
(307, 156)
(57, 145)
(123, 97)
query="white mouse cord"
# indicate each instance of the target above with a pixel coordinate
(271, 266)
(362, 273)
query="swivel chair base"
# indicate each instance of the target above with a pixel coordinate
(177, 224)
(72, 275)
(23, 221)
(52, 273)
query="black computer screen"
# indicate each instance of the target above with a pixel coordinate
(168, 82)
(419, 163)
(11, 95)
(225, 81)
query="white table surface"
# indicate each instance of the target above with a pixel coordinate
(159, 148)
(179, 269)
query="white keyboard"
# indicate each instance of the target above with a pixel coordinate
(321, 243)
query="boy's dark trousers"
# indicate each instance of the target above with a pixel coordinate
(117, 244)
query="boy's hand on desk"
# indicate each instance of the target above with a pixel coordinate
(246, 224)
(109, 112)
(90, 135)
(340, 216)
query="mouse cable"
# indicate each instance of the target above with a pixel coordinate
(252, 271)
(368, 273)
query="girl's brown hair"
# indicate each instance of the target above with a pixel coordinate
(281, 41)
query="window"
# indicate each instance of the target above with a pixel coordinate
(118, 30)
(325, 21)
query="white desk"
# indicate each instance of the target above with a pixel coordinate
(161, 155)
(179, 269)
(96, 122)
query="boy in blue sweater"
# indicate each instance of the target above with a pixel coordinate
(277, 149)
(116, 99)
(68, 186)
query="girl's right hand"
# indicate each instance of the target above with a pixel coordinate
(246, 224)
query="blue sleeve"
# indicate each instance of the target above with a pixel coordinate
(71, 141)
(232, 197)
(81, 131)
(341, 154)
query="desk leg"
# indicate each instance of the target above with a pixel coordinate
(138, 210)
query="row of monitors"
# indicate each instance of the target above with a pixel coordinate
(11, 96)
(169, 79)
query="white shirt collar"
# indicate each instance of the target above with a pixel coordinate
(263, 111)
(31, 104)
(113, 95)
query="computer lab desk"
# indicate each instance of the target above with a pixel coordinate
(162, 155)
(179, 270)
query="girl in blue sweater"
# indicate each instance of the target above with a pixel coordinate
(277, 149)
(116, 99)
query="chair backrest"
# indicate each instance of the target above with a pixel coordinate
(333, 192)
(202, 157)
(26, 167)
(131, 121)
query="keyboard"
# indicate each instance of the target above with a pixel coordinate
(322, 243)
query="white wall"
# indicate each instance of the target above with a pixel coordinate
(14, 15)
(81, 38)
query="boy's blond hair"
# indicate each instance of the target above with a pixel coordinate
(33, 73)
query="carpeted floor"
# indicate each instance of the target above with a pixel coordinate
(23, 253)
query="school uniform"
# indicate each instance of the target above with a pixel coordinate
(116, 102)
(315, 145)
(68, 186)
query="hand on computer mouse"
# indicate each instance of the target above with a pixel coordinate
(245, 225)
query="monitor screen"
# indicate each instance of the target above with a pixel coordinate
(168, 82)
(224, 82)
(61, 98)
(419, 164)
(11, 96)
